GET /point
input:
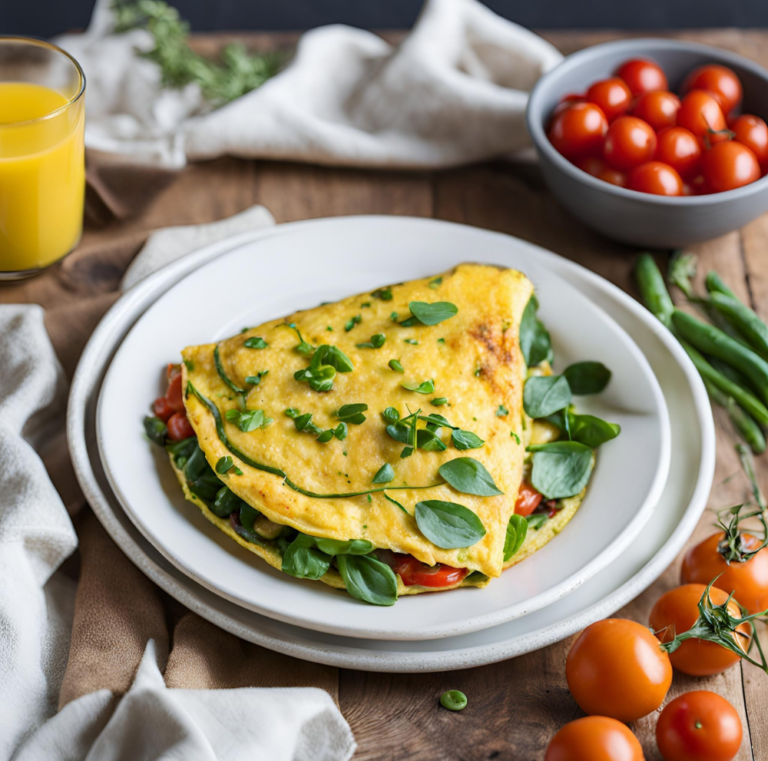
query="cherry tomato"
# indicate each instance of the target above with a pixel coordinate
(629, 142)
(566, 102)
(748, 581)
(612, 95)
(676, 612)
(679, 148)
(699, 726)
(162, 409)
(174, 396)
(579, 131)
(729, 165)
(718, 80)
(659, 108)
(616, 668)
(657, 178)
(415, 573)
(752, 131)
(701, 114)
(642, 76)
(594, 738)
(179, 427)
(528, 499)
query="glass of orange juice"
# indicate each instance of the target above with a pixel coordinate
(42, 162)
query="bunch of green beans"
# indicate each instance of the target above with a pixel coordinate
(733, 364)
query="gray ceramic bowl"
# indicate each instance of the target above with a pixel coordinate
(643, 219)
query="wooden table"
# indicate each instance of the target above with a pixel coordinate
(515, 706)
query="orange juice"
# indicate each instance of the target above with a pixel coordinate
(42, 175)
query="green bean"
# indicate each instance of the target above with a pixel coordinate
(729, 372)
(744, 320)
(653, 289)
(714, 284)
(742, 422)
(712, 341)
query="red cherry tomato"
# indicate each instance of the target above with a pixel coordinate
(642, 76)
(718, 80)
(594, 738)
(747, 580)
(179, 427)
(174, 395)
(566, 102)
(676, 612)
(598, 168)
(656, 178)
(629, 142)
(701, 114)
(415, 573)
(579, 131)
(699, 726)
(612, 95)
(162, 409)
(679, 148)
(729, 165)
(528, 499)
(752, 131)
(659, 108)
(616, 668)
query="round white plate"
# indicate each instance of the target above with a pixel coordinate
(678, 510)
(299, 269)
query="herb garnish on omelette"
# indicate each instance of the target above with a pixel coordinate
(407, 440)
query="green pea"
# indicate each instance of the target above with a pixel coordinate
(453, 700)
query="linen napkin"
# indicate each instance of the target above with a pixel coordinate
(454, 91)
(78, 646)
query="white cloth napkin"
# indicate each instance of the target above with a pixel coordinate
(36, 603)
(454, 91)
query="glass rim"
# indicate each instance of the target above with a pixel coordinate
(36, 41)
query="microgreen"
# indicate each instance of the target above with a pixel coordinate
(224, 464)
(189, 364)
(254, 380)
(395, 365)
(448, 525)
(255, 342)
(395, 502)
(391, 415)
(385, 294)
(536, 521)
(515, 437)
(466, 439)
(429, 314)
(436, 283)
(352, 413)
(322, 369)
(384, 474)
(411, 341)
(439, 401)
(425, 387)
(376, 342)
(351, 322)
(501, 411)
(249, 420)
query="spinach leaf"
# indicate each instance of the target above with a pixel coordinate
(352, 413)
(560, 468)
(587, 377)
(156, 430)
(368, 579)
(431, 314)
(469, 476)
(226, 503)
(346, 547)
(255, 342)
(535, 343)
(304, 560)
(425, 387)
(466, 439)
(586, 429)
(248, 516)
(544, 395)
(448, 525)
(517, 529)
(384, 474)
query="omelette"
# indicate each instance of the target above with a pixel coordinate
(378, 443)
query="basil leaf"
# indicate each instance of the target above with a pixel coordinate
(466, 439)
(394, 364)
(587, 378)
(385, 294)
(536, 521)
(429, 441)
(226, 503)
(432, 314)
(544, 395)
(425, 387)
(255, 342)
(517, 529)
(448, 525)
(368, 579)
(384, 474)
(352, 413)
(391, 415)
(535, 343)
(561, 468)
(156, 430)
(224, 464)
(592, 431)
(467, 475)
(338, 547)
(376, 342)
(303, 560)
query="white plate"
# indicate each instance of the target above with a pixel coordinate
(324, 263)
(679, 508)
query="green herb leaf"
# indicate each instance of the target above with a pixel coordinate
(430, 441)
(586, 378)
(544, 395)
(561, 468)
(448, 525)
(246, 421)
(226, 503)
(385, 294)
(376, 342)
(517, 528)
(254, 380)
(395, 502)
(586, 429)
(407, 452)
(340, 432)
(536, 521)
(535, 343)
(466, 439)
(467, 475)
(255, 342)
(368, 579)
(425, 387)
(436, 283)
(292, 412)
(411, 341)
(356, 320)
(325, 436)
(319, 378)
(502, 411)
(395, 365)
(384, 474)
(334, 357)
(339, 547)
(224, 464)
(439, 401)
(189, 364)
(391, 415)
(303, 347)
(352, 413)
(156, 430)
(432, 314)
(515, 437)
(303, 560)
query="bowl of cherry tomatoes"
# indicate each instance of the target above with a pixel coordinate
(654, 142)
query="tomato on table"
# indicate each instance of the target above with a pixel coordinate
(699, 726)
(629, 142)
(579, 131)
(679, 148)
(701, 114)
(642, 75)
(179, 427)
(657, 178)
(729, 165)
(747, 580)
(676, 612)
(415, 573)
(752, 131)
(718, 80)
(594, 738)
(616, 668)
(528, 499)
(612, 96)
(659, 108)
